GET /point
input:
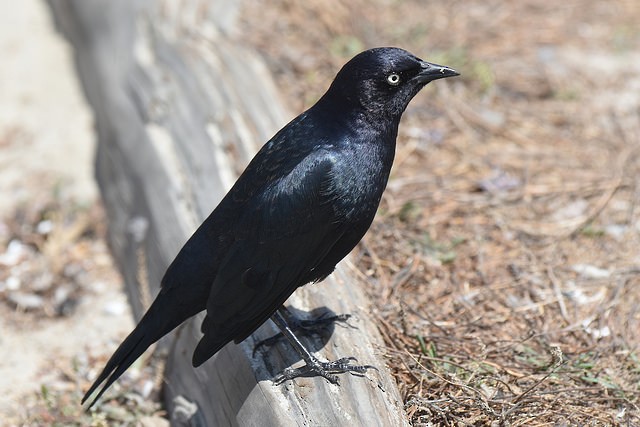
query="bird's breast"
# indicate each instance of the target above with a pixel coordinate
(360, 177)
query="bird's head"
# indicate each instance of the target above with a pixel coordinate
(383, 80)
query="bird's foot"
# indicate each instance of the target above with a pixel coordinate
(327, 370)
(305, 327)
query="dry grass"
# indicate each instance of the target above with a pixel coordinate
(504, 260)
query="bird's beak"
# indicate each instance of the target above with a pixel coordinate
(431, 72)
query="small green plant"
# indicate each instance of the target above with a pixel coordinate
(471, 68)
(443, 252)
(591, 230)
(346, 46)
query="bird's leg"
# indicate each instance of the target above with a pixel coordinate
(307, 327)
(313, 366)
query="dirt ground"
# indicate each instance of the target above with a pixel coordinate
(504, 261)
(60, 298)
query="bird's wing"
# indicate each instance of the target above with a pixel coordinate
(284, 233)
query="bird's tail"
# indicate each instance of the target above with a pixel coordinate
(155, 324)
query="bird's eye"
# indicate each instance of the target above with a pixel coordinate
(393, 79)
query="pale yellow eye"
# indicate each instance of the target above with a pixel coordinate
(393, 79)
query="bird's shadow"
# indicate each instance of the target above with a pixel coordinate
(228, 373)
(275, 353)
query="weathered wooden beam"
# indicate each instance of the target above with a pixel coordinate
(180, 107)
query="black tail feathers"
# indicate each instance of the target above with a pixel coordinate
(132, 347)
(160, 319)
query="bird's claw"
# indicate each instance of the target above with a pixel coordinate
(325, 370)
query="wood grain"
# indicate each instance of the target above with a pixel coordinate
(180, 107)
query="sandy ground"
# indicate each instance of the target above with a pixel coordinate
(46, 145)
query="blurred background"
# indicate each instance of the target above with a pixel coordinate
(504, 262)
(60, 296)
